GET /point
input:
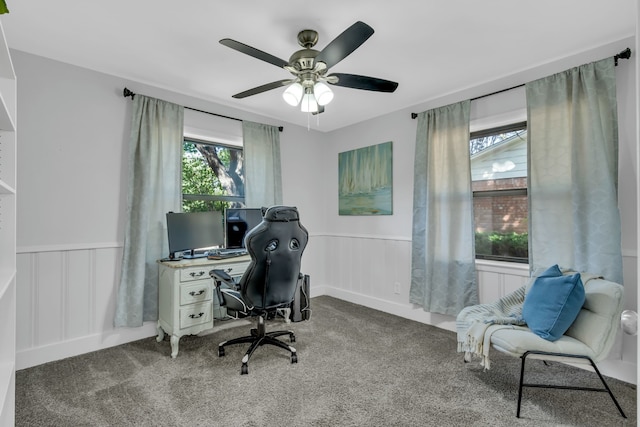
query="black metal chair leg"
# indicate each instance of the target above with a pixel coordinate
(606, 386)
(523, 357)
(562, 387)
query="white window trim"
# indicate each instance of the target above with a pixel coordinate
(210, 128)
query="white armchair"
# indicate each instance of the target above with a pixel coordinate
(587, 341)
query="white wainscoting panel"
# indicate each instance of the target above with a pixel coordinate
(497, 279)
(66, 302)
(369, 266)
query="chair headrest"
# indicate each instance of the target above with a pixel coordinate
(281, 214)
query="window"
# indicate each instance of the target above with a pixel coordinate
(499, 185)
(212, 176)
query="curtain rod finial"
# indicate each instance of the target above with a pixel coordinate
(625, 54)
(126, 92)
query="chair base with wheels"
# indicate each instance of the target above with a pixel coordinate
(260, 337)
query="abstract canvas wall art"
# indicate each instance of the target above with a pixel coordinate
(365, 180)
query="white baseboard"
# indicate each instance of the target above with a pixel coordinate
(616, 368)
(406, 310)
(61, 350)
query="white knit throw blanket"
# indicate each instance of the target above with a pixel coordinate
(475, 324)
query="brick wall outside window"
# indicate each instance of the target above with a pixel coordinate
(501, 213)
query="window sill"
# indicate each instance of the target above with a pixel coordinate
(503, 267)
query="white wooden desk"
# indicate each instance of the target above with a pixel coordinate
(185, 295)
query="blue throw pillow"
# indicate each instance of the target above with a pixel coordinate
(553, 303)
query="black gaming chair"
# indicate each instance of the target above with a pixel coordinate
(269, 283)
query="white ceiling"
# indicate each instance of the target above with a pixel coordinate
(430, 47)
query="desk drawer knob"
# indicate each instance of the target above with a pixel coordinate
(198, 274)
(196, 316)
(194, 293)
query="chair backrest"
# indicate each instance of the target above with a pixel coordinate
(598, 321)
(275, 246)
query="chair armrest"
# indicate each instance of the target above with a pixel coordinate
(222, 276)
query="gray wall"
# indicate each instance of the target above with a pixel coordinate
(72, 173)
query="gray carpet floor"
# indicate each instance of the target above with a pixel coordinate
(356, 367)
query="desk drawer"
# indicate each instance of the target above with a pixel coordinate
(199, 291)
(233, 269)
(194, 273)
(195, 314)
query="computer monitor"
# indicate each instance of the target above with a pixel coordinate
(238, 221)
(190, 233)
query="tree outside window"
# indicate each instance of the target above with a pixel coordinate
(212, 176)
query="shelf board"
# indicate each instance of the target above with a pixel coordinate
(7, 371)
(6, 188)
(6, 277)
(6, 122)
(6, 65)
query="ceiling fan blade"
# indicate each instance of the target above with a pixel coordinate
(355, 81)
(344, 44)
(256, 53)
(263, 88)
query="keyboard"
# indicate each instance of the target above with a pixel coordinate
(226, 253)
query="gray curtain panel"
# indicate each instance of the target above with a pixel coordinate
(155, 153)
(573, 154)
(443, 278)
(263, 175)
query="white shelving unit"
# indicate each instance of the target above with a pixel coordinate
(7, 235)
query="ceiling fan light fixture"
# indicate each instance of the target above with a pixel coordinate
(323, 93)
(309, 104)
(293, 94)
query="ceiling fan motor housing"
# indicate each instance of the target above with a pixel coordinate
(303, 60)
(302, 63)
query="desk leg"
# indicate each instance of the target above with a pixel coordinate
(174, 345)
(286, 313)
(160, 336)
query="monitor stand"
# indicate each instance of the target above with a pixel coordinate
(193, 254)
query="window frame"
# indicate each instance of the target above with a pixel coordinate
(239, 200)
(511, 127)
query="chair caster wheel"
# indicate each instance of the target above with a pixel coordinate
(294, 358)
(292, 338)
(244, 370)
(220, 351)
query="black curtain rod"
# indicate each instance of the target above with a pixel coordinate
(126, 93)
(625, 54)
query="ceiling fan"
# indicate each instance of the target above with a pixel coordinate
(309, 67)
